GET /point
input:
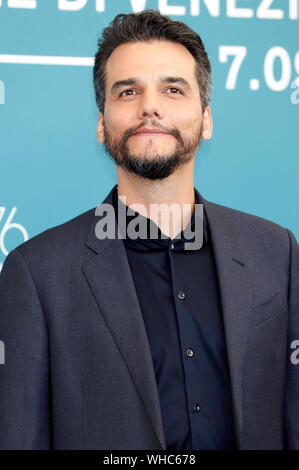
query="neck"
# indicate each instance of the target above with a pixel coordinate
(177, 190)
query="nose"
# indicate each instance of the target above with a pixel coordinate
(150, 106)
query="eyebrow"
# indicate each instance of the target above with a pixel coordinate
(163, 79)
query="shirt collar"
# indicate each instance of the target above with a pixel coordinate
(162, 242)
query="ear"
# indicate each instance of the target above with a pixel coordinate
(100, 129)
(207, 124)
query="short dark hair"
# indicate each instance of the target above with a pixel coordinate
(150, 25)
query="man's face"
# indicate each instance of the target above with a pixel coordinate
(153, 119)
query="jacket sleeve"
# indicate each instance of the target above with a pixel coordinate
(292, 368)
(24, 375)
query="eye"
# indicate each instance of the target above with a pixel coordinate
(174, 90)
(125, 91)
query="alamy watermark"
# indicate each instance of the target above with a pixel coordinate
(294, 357)
(295, 93)
(2, 353)
(138, 227)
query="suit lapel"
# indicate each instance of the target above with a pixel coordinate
(235, 275)
(110, 279)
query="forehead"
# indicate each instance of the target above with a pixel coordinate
(149, 60)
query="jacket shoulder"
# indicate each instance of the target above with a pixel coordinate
(267, 242)
(247, 223)
(60, 238)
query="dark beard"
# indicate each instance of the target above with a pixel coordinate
(160, 166)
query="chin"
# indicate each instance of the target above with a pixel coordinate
(154, 151)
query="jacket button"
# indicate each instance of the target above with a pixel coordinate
(181, 295)
(189, 352)
(196, 408)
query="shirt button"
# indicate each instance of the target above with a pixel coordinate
(181, 295)
(196, 408)
(172, 246)
(190, 352)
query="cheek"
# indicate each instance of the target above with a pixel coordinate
(119, 121)
(187, 123)
(186, 116)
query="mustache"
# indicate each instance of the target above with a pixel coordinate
(154, 124)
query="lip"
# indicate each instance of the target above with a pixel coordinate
(145, 131)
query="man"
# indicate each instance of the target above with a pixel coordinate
(137, 342)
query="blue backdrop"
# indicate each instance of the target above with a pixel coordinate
(52, 167)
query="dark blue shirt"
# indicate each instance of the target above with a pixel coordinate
(180, 302)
